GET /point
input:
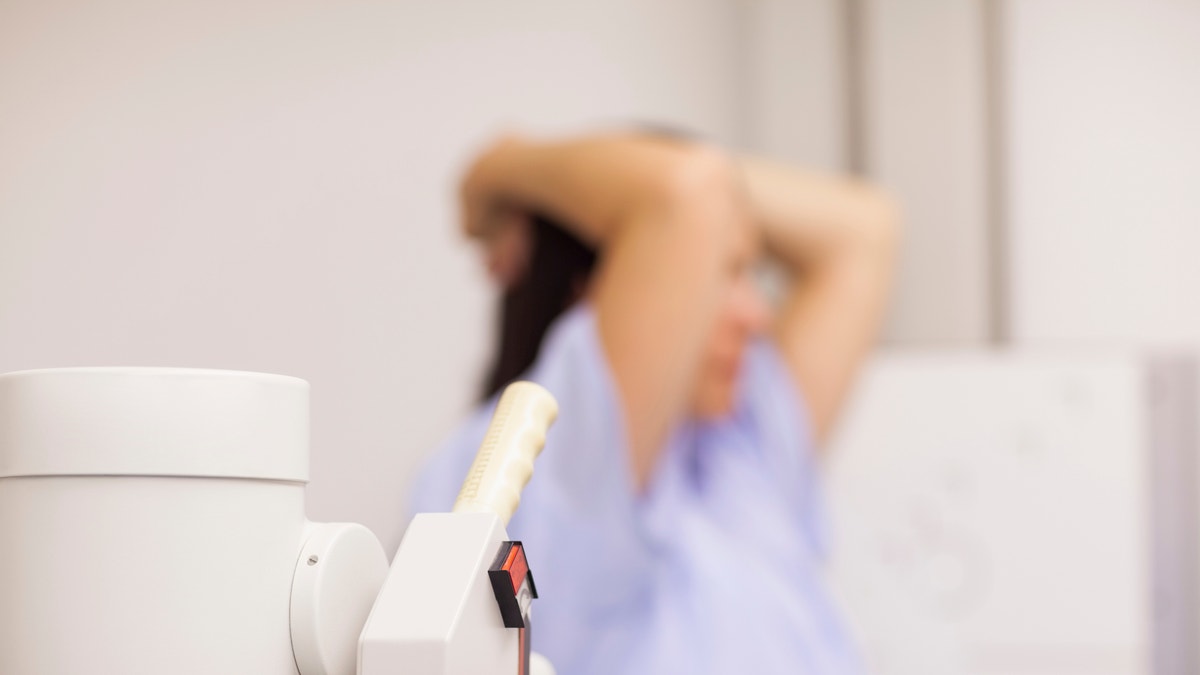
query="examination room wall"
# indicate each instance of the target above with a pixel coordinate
(1045, 152)
(270, 186)
(1103, 118)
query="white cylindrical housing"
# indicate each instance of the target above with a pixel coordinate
(150, 520)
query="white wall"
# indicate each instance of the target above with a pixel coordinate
(795, 104)
(1104, 104)
(269, 186)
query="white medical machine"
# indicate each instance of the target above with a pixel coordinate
(152, 521)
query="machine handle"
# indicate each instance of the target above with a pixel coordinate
(504, 462)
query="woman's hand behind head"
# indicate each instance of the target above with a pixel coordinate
(507, 246)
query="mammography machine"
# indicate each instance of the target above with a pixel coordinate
(152, 521)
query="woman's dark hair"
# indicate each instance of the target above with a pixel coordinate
(559, 268)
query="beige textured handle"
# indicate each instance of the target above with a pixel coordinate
(504, 462)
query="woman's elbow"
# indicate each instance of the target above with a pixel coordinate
(692, 177)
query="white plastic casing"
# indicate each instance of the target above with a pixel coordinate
(338, 576)
(151, 521)
(153, 422)
(437, 613)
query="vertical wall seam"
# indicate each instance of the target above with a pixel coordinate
(999, 297)
(854, 92)
(745, 75)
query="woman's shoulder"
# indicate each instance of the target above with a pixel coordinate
(571, 333)
(571, 367)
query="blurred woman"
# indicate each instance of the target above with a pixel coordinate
(673, 523)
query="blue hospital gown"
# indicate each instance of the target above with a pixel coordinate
(716, 568)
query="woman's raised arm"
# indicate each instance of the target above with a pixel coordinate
(667, 218)
(837, 236)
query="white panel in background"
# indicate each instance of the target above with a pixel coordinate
(923, 90)
(992, 513)
(795, 91)
(1103, 166)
